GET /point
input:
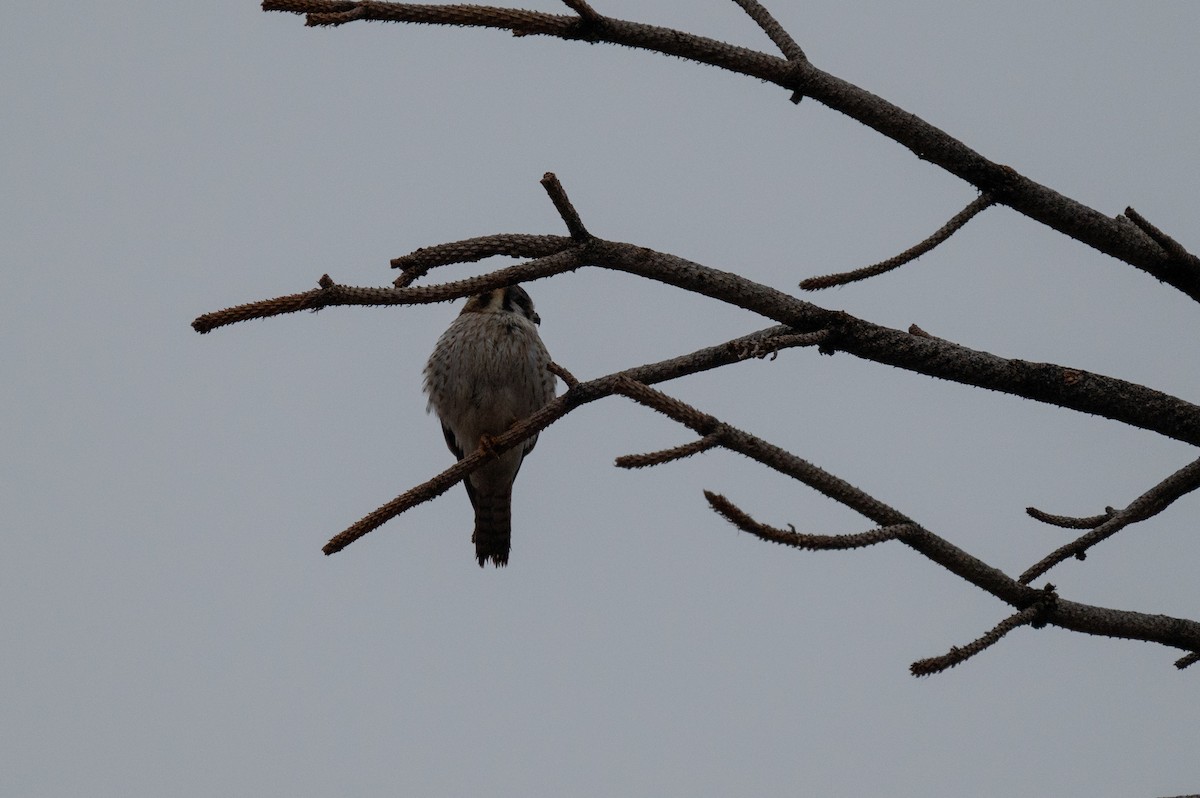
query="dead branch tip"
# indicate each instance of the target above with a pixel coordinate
(790, 537)
(667, 455)
(558, 195)
(960, 654)
(955, 224)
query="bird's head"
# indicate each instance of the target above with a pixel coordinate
(510, 299)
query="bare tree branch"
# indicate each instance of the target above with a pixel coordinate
(1070, 521)
(579, 393)
(570, 216)
(770, 26)
(1130, 238)
(790, 537)
(955, 224)
(1075, 389)
(1117, 237)
(586, 12)
(1169, 245)
(668, 455)
(561, 372)
(1148, 505)
(1175, 632)
(329, 293)
(957, 655)
(517, 245)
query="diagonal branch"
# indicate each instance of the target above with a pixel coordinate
(956, 655)
(1148, 505)
(585, 11)
(1087, 392)
(329, 293)
(1070, 521)
(1175, 632)
(770, 26)
(1169, 245)
(951, 227)
(790, 537)
(1117, 237)
(516, 245)
(669, 455)
(578, 394)
(562, 204)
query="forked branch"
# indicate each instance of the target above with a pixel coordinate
(1034, 606)
(579, 393)
(1148, 505)
(1115, 236)
(1066, 387)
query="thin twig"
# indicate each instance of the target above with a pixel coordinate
(560, 371)
(1064, 614)
(586, 12)
(770, 26)
(1149, 504)
(790, 537)
(1190, 659)
(772, 346)
(1041, 203)
(577, 394)
(1070, 521)
(558, 195)
(669, 406)
(451, 476)
(668, 455)
(1169, 245)
(331, 294)
(958, 655)
(417, 264)
(1076, 389)
(912, 253)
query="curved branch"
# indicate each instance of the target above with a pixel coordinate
(790, 537)
(1071, 521)
(1118, 237)
(669, 455)
(1175, 632)
(1148, 505)
(1074, 389)
(951, 227)
(578, 394)
(329, 293)
(956, 656)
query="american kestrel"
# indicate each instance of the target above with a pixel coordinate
(489, 369)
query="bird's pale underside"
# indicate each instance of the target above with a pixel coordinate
(488, 370)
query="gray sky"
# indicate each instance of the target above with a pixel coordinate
(170, 626)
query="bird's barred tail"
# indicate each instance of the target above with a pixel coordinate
(493, 528)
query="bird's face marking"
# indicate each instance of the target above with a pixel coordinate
(511, 299)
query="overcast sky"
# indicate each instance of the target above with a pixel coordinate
(169, 624)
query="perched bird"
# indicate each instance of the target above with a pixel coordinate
(489, 369)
